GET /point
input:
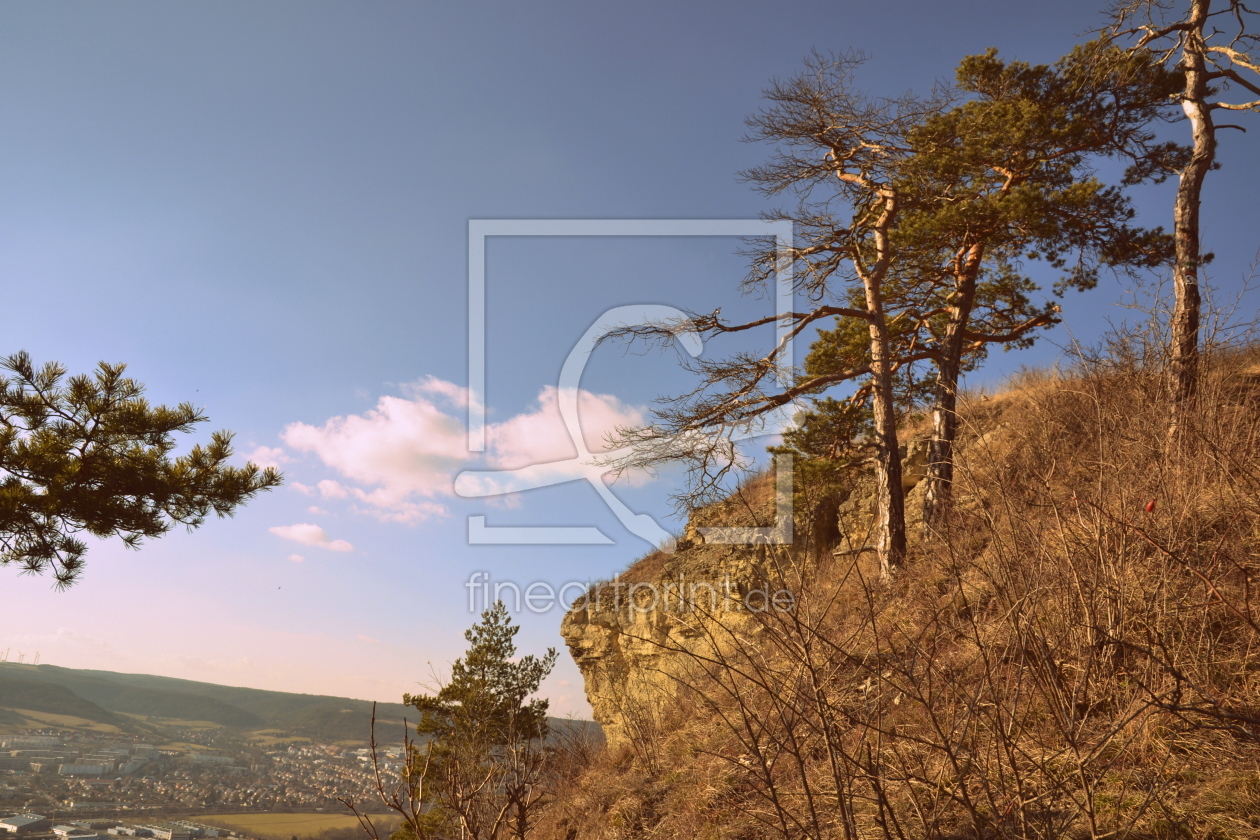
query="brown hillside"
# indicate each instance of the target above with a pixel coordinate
(1075, 654)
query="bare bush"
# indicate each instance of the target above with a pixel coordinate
(1074, 654)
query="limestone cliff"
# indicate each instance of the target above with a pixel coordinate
(628, 635)
(1075, 646)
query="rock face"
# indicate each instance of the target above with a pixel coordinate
(630, 636)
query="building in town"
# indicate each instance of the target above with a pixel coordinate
(24, 824)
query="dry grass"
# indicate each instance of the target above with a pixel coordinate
(1075, 654)
(282, 826)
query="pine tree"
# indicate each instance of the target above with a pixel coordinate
(89, 455)
(482, 738)
(1216, 52)
(913, 219)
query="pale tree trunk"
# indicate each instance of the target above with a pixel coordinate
(890, 527)
(1185, 316)
(890, 497)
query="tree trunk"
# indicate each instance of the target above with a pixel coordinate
(890, 498)
(1185, 316)
(938, 497)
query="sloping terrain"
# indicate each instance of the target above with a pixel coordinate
(20, 692)
(143, 702)
(1074, 653)
(151, 701)
(106, 697)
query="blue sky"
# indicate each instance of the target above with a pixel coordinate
(263, 208)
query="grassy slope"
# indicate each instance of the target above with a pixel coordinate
(1074, 654)
(104, 695)
(273, 707)
(280, 825)
(19, 691)
(127, 700)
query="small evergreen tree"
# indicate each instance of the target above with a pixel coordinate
(481, 739)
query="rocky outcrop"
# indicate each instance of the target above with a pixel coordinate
(631, 636)
(628, 636)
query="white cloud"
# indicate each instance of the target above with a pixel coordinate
(268, 456)
(538, 443)
(330, 489)
(539, 436)
(296, 558)
(390, 507)
(313, 535)
(454, 394)
(399, 459)
(406, 446)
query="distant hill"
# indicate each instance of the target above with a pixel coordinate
(156, 702)
(105, 696)
(17, 691)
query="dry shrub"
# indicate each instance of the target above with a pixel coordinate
(1075, 653)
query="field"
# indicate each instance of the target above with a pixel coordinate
(271, 737)
(66, 721)
(280, 825)
(180, 722)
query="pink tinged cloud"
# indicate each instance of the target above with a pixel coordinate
(267, 456)
(311, 535)
(539, 436)
(407, 446)
(540, 441)
(407, 450)
(452, 393)
(330, 489)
